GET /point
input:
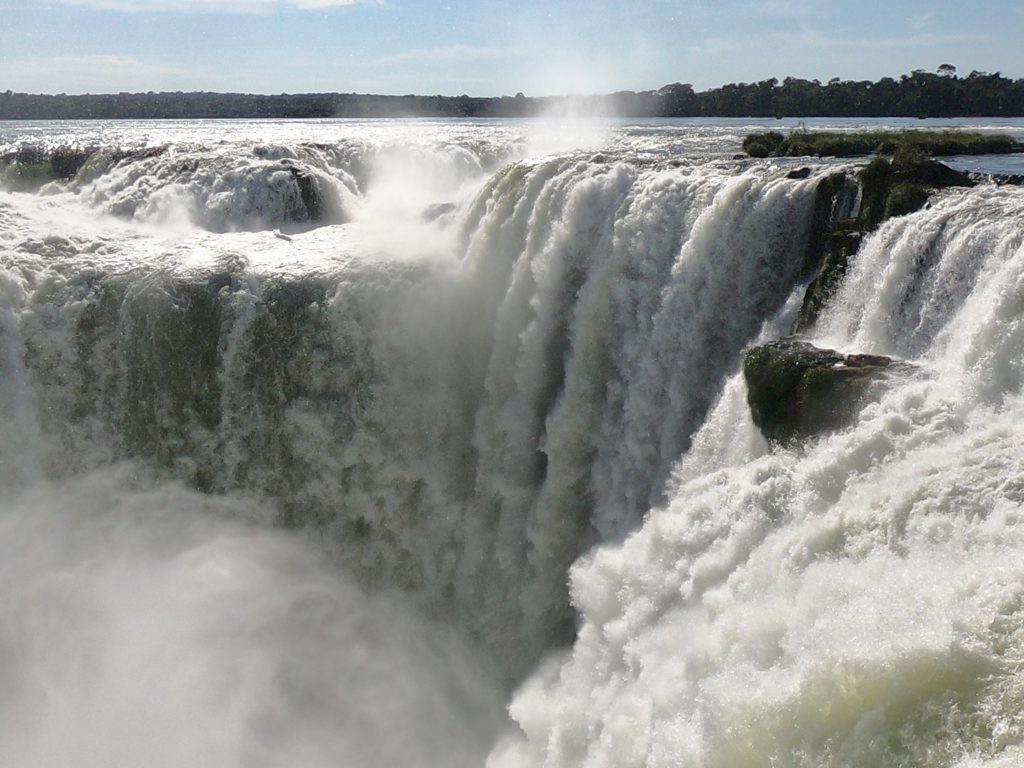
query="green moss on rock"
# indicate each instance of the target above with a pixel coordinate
(842, 245)
(833, 237)
(804, 143)
(904, 198)
(888, 189)
(763, 144)
(874, 183)
(796, 390)
(902, 186)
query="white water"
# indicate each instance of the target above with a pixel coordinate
(856, 601)
(460, 405)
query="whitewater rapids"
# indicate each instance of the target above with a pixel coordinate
(322, 438)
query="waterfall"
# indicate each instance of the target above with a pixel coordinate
(851, 601)
(338, 444)
(463, 427)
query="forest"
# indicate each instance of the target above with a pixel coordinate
(923, 94)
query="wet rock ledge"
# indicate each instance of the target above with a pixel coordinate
(797, 390)
(887, 189)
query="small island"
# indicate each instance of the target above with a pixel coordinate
(921, 143)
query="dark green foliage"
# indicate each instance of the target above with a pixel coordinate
(841, 246)
(874, 182)
(893, 189)
(763, 144)
(904, 198)
(805, 143)
(946, 143)
(908, 154)
(757, 148)
(919, 94)
(796, 390)
(911, 146)
(888, 189)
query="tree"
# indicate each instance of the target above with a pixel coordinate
(947, 70)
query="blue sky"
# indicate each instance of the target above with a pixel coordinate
(489, 47)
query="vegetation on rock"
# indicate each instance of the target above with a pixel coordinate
(905, 197)
(888, 188)
(805, 143)
(797, 390)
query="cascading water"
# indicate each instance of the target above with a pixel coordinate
(852, 601)
(460, 374)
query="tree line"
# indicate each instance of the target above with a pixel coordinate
(918, 94)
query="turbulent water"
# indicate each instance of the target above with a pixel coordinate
(324, 442)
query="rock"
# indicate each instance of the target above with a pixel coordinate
(896, 189)
(842, 244)
(797, 390)
(999, 179)
(833, 237)
(931, 173)
(67, 161)
(799, 173)
(309, 191)
(888, 189)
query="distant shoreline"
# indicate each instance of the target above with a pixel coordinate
(919, 94)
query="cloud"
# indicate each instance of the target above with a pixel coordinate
(101, 73)
(716, 45)
(809, 38)
(815, 39)
(784, 8)
(922, 21)
(210, 6)
(446, 54)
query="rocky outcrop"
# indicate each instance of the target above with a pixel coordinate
(999, 179)
(834, 257)
(804, 143)
(796, 390)
(887, 189)
(310, 193)
(833, 236)
(900, 187)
